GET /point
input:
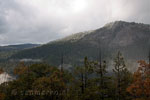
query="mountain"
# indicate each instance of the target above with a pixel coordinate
(132, 39)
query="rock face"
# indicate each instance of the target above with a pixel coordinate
(4, 77)
(132, 39)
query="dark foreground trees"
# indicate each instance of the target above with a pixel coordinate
(91, 81)
(37, 82)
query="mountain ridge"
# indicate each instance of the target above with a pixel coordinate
(133, 39)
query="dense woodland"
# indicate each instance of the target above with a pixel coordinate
(92, 81)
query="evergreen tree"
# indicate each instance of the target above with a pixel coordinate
(120, 71)
(82, 75)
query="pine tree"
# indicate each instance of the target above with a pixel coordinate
(82, 75)
(119, 67)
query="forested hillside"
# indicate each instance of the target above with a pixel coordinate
(132, 39)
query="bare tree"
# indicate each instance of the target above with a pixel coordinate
(62, 62)
(149, 56)
(101, 71)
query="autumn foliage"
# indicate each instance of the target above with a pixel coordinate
(140, 88)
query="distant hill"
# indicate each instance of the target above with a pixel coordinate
(7, 51)
(17, 47)
(132, 39)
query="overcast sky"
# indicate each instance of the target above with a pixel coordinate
(41, 21)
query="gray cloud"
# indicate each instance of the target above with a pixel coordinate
(41, 21)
